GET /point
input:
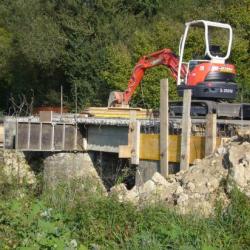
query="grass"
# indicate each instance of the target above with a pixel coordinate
(72, 216)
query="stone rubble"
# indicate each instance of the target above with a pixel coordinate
(14, 168)
(198, 189)
(239, 170)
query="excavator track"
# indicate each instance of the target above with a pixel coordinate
(224, 110)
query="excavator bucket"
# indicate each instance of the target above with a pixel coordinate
(115, 99)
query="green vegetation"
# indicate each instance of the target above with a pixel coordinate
(71, 217)
(93, 46)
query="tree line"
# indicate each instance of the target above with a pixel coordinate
(90, 47)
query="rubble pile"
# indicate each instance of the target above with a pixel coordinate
(199, 188)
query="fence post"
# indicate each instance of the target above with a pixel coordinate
(134, 138)
(210, 136)
(186, 130)
(132, 150)
(164, 124)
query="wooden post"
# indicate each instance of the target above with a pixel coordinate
(132, 150)
(210, 141)
(61, 101)
(135, 143)
(164, 127)
(75, 136)
(134, 138)
(132, 119)
(186, 130)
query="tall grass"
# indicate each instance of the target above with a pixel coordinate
(73, 216)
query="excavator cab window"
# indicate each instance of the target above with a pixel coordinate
(215, 50)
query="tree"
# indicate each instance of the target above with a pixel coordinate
(92, 46)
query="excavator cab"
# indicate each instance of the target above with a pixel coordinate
(209, 77)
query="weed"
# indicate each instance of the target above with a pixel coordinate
(76, 216)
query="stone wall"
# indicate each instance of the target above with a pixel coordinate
(15, 168)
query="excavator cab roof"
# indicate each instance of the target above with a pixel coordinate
(210, 52)
(208, 27)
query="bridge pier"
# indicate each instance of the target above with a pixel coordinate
(66, 166)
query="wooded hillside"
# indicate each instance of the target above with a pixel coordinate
(92, 45)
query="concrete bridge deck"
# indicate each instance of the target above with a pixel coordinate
(74, 132)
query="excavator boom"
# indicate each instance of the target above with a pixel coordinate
(162, 57)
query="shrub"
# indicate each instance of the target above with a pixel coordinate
(72, 216)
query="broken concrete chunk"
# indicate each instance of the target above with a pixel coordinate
(191, 186)
(239, 170)
(158, 179)
(182, 199)
(179, 190)
(119, 190)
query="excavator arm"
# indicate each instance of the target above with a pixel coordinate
(162, 57)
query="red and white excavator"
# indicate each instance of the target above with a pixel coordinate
(210, 78)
